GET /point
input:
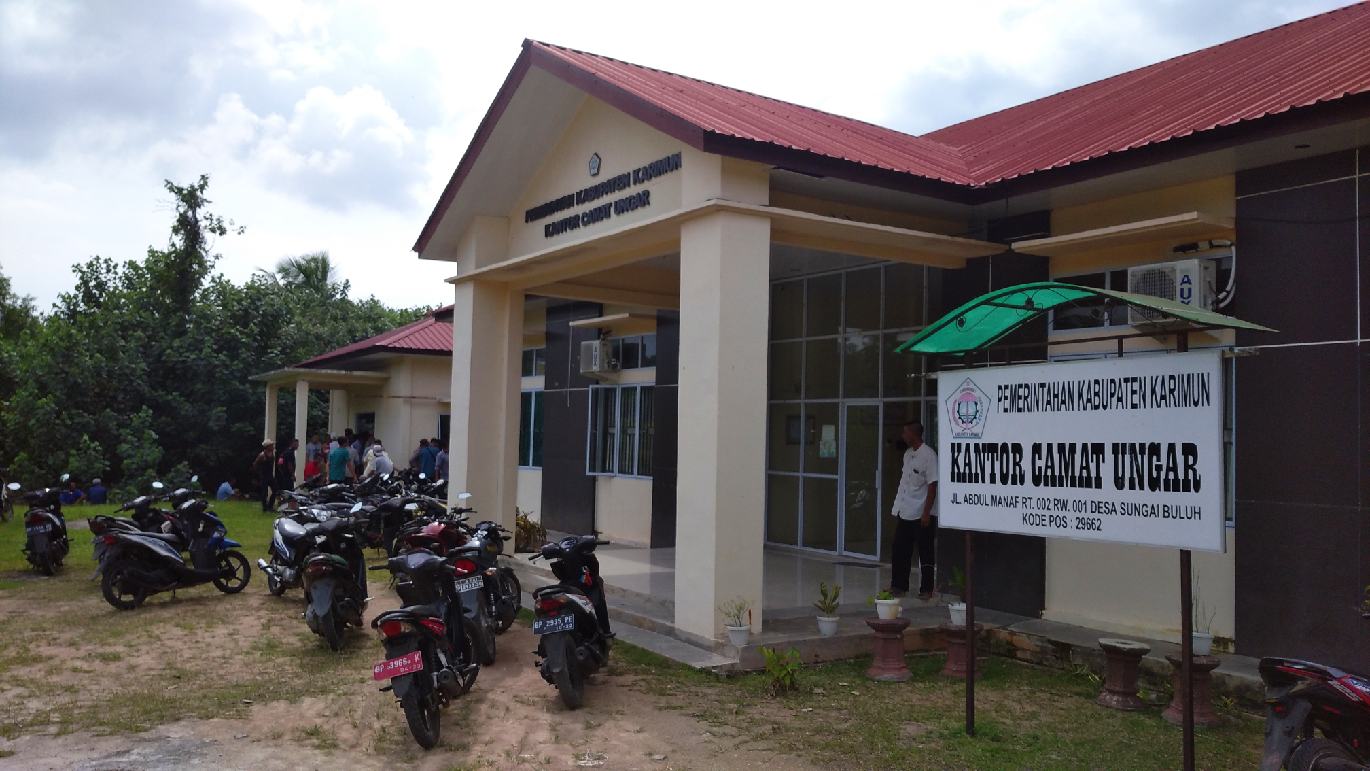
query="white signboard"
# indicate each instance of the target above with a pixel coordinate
(1127, 450)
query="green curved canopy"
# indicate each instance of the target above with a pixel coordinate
(989, 317)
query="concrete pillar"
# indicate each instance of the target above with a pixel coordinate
(301, 426)
(339, 414)
(269, 431)
(721, 477)
(487, 336)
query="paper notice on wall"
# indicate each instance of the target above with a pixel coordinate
(827, 442)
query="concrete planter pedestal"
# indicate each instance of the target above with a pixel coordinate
(1202, 667)
(956, 649)
(888, 665)
(1120, 679)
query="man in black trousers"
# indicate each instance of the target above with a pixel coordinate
(915, 508)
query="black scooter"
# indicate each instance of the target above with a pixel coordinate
(1304, 699)
(427, 642)
(45, 544)
(334, 581)
(137, 565)
(571, 618)
(503, 593)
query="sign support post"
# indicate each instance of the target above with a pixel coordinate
(969, 599)
(1186, 625)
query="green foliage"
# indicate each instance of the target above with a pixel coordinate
(152, 358)
(957, 583)
(529, 535)
(86, 460)
(883, 594)
(736, 612)
(828, 598)
(782, 669)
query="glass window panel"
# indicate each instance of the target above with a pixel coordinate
(632, 347)
(863, 299)
(824, 306)
(525, 427)
(616, 350)
(527, 369)
(787, 370)
(787, 310)
(903, 296)
(785, 436)
(537, 430)
(821, 368)
(820, 438)
(782, 509)
(539, 361)
(860, 515)
(861, 364)
(903, 371)
(820, 513)
(646, 429)
(602, 413)
(627, 430)
(649, 350)
(1081, 314)
(935, 310)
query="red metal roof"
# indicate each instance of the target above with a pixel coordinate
(1302, 63)
(428, 335)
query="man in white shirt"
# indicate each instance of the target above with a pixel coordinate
(915, 509)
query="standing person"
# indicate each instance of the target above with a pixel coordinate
(314, 466)
(378, 463)
(264, 466)
(428, 458)
(311, 448)
(440, 462)
(97, 493)
(915, 507)
(416, 460)
(285, 466)
(340, 468)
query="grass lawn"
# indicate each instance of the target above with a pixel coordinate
(1026, 717)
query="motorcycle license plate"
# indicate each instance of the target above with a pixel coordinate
(409, 662)
(469, 583)
(563, 623)
(39, 528)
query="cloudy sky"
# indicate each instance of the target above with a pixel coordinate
(334, 126)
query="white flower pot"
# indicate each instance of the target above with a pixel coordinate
(737, 635)
(958, 613)
(1203, 643)
(887, 609)
(827, 626)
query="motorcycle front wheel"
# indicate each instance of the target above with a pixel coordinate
(118, 592)
(236, 572)
(273, 584)
(424, 718)
(512, 592)
(1316, 754)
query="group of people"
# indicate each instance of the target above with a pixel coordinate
(348, 457)
(96, 493)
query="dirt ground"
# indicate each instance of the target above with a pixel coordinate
(120, 680)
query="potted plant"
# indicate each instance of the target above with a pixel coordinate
(827, 608)
(957, 586)
(886, 605)
(737, 619)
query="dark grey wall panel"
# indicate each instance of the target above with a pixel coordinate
(568, 493)
(666, 441)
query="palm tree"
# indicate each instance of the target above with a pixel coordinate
(313, 273)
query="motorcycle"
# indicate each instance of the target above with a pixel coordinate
(428, 644)
(445, 537)
(1304, 699)
(503, 592)
(45, 543)
(571, 618)
(334, 581)
(291, 542)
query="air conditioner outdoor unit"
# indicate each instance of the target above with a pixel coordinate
(596, 358)
(1188, 282)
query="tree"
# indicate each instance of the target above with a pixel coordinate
(311, 273)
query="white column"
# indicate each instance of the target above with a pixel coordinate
(269, 431)
(721, 478)
(487, 334)
(301, 426)
(338, 411)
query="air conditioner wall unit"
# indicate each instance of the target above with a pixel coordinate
(1188, 282)
(596, 358)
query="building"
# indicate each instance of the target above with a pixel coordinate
(395, 385)
(751, 264)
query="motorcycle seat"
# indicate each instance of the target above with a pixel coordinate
(410, 613)
(169, 538)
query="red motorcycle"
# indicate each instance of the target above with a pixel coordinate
(1303, 700)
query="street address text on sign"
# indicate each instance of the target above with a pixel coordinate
(1127, 450)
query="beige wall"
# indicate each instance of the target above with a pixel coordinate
(623, 509)
(529, 497)
(1135, 590)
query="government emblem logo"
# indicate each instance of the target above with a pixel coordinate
(967, 411)
(594, 164)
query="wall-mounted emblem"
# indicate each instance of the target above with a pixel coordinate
(967, 410)
(594, 164)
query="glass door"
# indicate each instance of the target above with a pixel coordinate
(860, 479)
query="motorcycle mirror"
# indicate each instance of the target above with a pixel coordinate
(463, 496)
(422, 476)
(411, 507)
(12, 487)
(158, 486)
(385, 477)
(356, 507)
(65, 477)
(195, 479)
